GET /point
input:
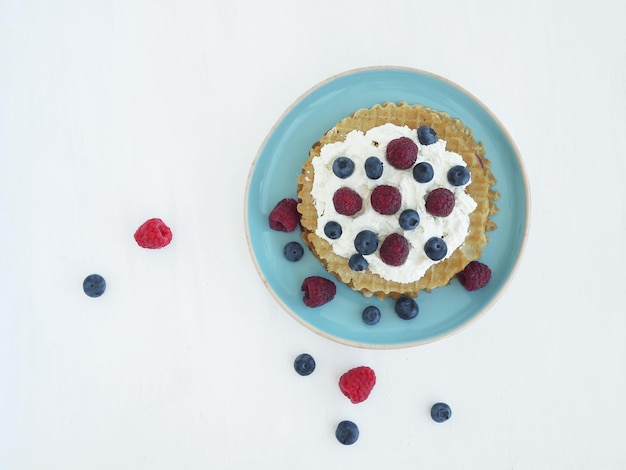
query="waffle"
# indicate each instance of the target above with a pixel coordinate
(459, 139)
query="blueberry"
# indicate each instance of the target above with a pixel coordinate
(373, 168)
(409, 219)
(426, 135)
(293, 251)
(458, 175)
(357, 262)
(343, 167)
(94, 285)
(423, 172)
(304, 364)
(435, 248)
(371, 315)
(440, 412)
(406, 308)
(366, 242)
(347, 432)
(332, 230)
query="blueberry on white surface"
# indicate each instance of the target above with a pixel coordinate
(373, 168)
(406, 308)
(94, 285)
(435, 248)
(333, 230)
(458, 175)
(409, 219)
(343, 167)
(423, 172)
(366, 242)
(371, 315)
(304, 364)
(426, 135)
(440, 412)
(347, 432)
(293, 251)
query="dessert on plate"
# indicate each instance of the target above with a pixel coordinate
(396, 199)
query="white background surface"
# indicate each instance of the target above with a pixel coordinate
(115, 112)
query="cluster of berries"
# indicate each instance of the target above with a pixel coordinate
(401, 153)
(152, 234)
(319, 290)
(356, 385)
(284, 217)
(405, 307)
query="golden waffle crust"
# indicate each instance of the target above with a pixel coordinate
(459, 139)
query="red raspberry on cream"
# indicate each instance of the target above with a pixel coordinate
(347, 201)
(440, 202)
(394, 250)
(386, 200)
(402, 153)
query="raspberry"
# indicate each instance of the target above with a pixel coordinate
(440, 202)
(357, 383)
(475, 276)
(386, 200)
(402, 153)
(394, 250)
(347, 201)
(318, 291)
(153, 233)
(284, 217)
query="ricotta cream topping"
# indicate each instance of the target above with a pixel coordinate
(358, 146)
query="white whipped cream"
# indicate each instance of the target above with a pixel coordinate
(358, 146)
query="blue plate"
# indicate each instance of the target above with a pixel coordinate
(273, 177)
